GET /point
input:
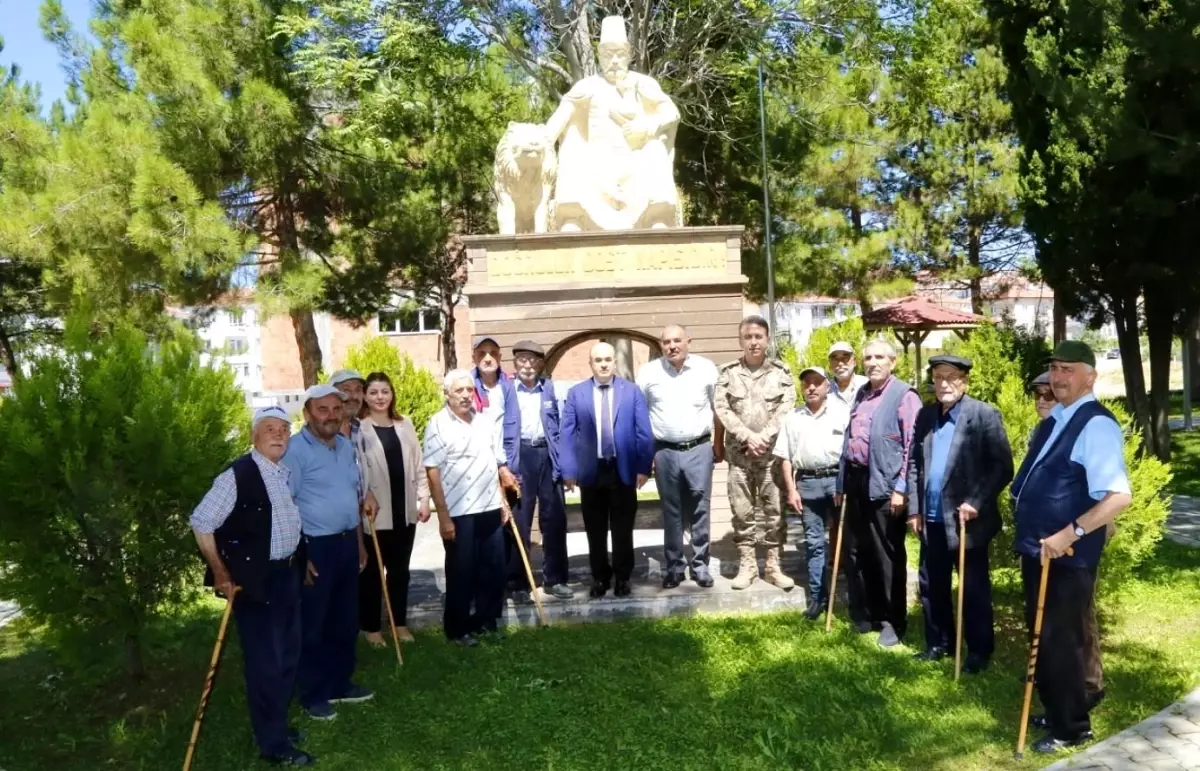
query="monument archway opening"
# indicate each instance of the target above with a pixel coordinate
(568, 360)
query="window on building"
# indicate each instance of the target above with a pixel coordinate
(237, 316)
(408, 320)
(237, 345)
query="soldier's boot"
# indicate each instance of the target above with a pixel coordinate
(773, 573)
(747, 568)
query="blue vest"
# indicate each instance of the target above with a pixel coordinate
(244, 539)
(886, 450)
(1054, 493)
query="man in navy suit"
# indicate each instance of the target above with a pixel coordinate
(540, 476)
(607, 448)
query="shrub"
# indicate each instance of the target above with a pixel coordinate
(418, 392)
(109, 444)
(816, 352)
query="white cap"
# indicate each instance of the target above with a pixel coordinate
(612, 31)
(320, 391)
(841, 346)
(819, 370)
(274, 411)
(342, 375)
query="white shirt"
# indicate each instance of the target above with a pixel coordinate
(811, 441)
(680, 401)
(846, 397)
(596, 393)
(467, 455)
(530, 404)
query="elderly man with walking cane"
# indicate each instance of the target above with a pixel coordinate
(959, 464)
(1071, 486)
(248, 529)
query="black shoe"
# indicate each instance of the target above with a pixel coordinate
(466, 641)
(672, 580)
(599, 589)
(703, 580)
(295, 735)
(935, 653)
(1048, 745)
(292, 757)
(624, 589)
(975, 664)
(522, 597)
(1094, 699)
(863, 627)
(813, 611)
(1040, 722)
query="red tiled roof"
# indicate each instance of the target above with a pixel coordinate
(913, 311)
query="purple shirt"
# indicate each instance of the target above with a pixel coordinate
(859, 444)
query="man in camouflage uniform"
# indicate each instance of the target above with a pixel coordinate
(753, 396)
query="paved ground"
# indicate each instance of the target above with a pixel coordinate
(8, 611)
(1183, 526)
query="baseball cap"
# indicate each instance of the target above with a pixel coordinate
(1074, 351)
(342, 375)
(320, 391)
(841, 346)
(481, 339)
(819, 370)
(274, 411)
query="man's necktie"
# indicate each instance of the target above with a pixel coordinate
(608, 447)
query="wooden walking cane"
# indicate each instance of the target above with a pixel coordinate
(837, 558)
(1033, 653)
(387, 600)
(512, 521)
(962, 567)
(209, 680)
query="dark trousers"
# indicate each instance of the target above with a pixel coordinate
(270, 636)
(879, 554)
(938, 563)
(609, 505)
(396, 548)
(1062, 658)
(474, 575)
(684, 479)
(1093, 668)
(330, 611)
(538, 488)
(819, 517)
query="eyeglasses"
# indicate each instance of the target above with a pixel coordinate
(1045, 395)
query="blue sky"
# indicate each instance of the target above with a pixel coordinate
(24, 44)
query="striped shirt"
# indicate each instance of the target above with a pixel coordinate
(467, 455)
(217, 505)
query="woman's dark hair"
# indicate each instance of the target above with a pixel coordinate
(379, 377)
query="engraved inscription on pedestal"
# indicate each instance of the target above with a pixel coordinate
(637, 262)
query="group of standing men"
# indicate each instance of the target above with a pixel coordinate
(282, 525)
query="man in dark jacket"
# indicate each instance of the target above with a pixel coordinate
(960, 462)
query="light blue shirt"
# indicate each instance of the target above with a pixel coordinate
(1100, 449)
(325, 482)
(529, 400)
(943, 437)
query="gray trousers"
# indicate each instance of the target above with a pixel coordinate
(684, 480)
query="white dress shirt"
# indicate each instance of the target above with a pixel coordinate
(530, 403)
(813, 441)
(597, 391)
(680, 401)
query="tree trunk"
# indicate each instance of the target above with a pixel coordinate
(135, 665)
(974, 259)
(1125, 318)
(577, 42)
(1160, 330)
(1060, 321)
(1193, 334)
(308, 344)
(8, 356)
(449, 328)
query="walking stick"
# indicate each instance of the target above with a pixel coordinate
(512, 521)
(387, 600)
(837, 558)
(209, 680)
(962, 567)
(1033, 653)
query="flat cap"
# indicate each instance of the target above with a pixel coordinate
(528, 346)
(320, 391)
(1074, 351)
(343, 375)
(841, 346)
(819, 370)
(960, 362)
(481, 339)
(1041, 380)
(263, 413)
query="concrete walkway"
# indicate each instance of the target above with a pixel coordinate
(1170, 740)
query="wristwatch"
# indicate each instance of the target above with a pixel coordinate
(1079, 531)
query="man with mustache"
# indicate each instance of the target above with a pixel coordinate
(753, 396)
(327, 485)
(959, 464)
(679, 388)
(844, 381)
(1071, 486)
(352, 386)
(248, 529)
(873, 477)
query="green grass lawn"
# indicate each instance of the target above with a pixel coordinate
(699, 693)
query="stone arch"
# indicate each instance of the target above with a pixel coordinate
(555, 352)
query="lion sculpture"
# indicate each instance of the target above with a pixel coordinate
(525, 170)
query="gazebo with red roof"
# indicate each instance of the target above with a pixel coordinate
(912, 318)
